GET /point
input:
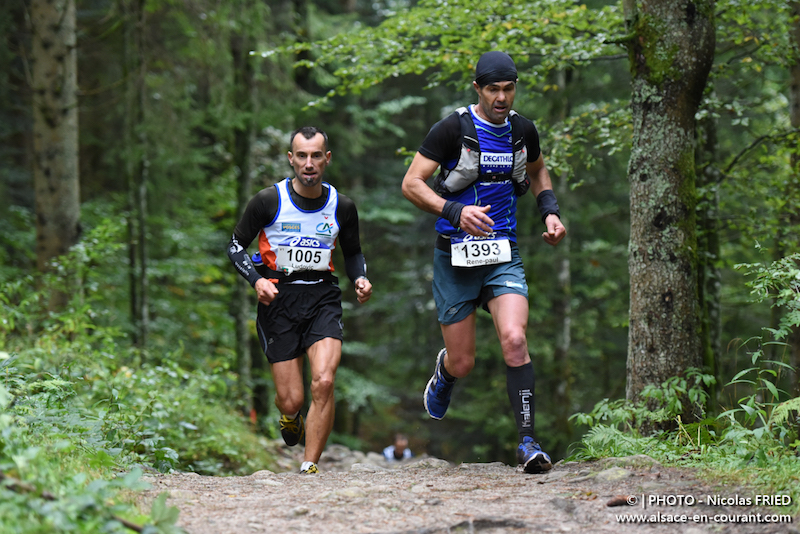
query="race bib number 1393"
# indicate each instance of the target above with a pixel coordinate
(473, 251)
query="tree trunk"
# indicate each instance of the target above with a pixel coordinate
(709, 281)
(55, 132)
(671, 52)
(244, 85)
(562, 401)
(791, 225)
(134, 68)
(302, 31)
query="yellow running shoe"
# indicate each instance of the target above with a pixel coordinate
(308, 468)
(292, 430)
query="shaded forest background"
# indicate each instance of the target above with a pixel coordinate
(178, 121)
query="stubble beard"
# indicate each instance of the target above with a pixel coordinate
(493, 116)
(310, 182)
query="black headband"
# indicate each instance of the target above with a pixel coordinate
(495, 67)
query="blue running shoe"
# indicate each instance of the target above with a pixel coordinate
(532, 458)
(437, 393)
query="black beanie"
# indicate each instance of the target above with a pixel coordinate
(495, 67)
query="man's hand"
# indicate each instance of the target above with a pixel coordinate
(555, 230)
(474, 220)
(363, 290)
(266, 291)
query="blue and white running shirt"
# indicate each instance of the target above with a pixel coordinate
(443, 144)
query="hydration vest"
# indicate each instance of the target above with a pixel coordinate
(467, 169)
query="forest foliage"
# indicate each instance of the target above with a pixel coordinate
(82, 403)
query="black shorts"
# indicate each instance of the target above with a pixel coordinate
(300, 315)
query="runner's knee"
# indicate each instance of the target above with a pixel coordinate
(322, 386)
(515, 348)
(460, 367)
(289, 402)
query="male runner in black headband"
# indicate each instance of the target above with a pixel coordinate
(488, 156)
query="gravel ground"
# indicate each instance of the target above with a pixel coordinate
(362, 494)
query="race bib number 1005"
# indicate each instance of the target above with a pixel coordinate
(302, 254)
(471, 251)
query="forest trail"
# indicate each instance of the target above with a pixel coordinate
(431, 496)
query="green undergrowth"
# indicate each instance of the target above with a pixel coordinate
(729, 449)
(753, 442)
(83, 414)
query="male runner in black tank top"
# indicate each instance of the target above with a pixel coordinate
(298, 223)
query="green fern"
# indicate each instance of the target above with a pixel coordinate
(603, 441)
(780, 414)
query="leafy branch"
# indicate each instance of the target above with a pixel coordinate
(445, 40)
(762, 139)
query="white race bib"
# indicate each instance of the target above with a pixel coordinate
(473, 251)
(302, 254)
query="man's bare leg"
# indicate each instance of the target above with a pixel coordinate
(324, 357)
(459, 340)
(510, 314)
(288, 379)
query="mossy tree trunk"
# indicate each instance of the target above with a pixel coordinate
(671, 50)
(788, 231)
(55, 132)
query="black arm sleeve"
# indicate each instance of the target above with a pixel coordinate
(355, 266)
(241, 260)
(260, 211)
(354, 263)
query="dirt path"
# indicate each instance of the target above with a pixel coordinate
(430, 496)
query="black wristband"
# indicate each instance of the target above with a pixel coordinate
(546, 200)
(452, 212)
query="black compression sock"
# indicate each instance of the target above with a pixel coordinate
(520, 387)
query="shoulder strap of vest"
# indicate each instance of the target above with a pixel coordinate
(517, 129)
(469, 135)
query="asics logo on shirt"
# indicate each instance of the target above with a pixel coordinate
(307, 242)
